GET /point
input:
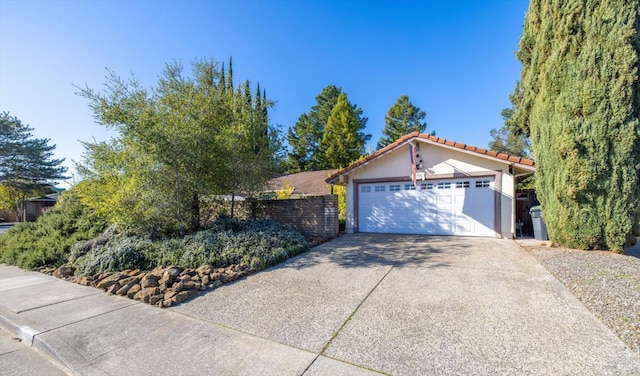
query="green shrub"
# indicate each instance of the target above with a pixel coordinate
(256, 243)
(48, 240)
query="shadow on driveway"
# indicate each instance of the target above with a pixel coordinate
(372, 250)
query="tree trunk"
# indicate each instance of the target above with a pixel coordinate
(195, 213)
(233, 203)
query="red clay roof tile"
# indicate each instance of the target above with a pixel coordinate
(403, 139)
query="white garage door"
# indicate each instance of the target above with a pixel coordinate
(437, 207)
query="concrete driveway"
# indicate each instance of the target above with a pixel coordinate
(419, 305)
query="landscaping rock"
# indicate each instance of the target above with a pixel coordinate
(169, 294)
(183, 296)
(173, 271)
(109, 281)
(155, 298)
(188, 285)
(178, 286)
(166, 279)
(126, 281)
(162, 287)
(134, 272)
(145, 294)
(149, 281)
(113, 288)
(133, 291)
(124, 290)
(64, 272)
(85, 281)
(204, 270)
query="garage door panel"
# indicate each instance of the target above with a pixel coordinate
(442, 207)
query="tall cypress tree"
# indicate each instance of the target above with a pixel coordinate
(580, 102)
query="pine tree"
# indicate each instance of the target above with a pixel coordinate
(580, 102)
(401, 119)
(304, 137)
(508, 142)
(306, 133)
(343, 141)
(27, 166)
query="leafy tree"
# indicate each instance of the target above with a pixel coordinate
(343, 141)
(580, 102)
(189, 136)
(27, 166)
(401, 119)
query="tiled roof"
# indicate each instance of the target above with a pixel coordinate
(304, 183)
(433, 139)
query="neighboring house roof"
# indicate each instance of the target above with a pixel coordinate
(52, 197)
(307, 183)
(528, 164)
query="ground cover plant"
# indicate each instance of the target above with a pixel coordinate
(48, 241)
(71, 234)
(228, 241)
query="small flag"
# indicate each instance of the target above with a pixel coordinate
(414, 174)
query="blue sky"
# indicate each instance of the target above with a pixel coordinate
(454, 59)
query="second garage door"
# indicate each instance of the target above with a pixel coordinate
(435, 207)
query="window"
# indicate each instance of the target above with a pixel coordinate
(462, 184)
(379, 188)
(365, 189)
(483, 183)
(409, 187)
(444, 185)
(394, 187)
(429, 185)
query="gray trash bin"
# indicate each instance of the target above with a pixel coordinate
(539, 228)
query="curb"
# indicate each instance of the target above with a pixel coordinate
(13, 324)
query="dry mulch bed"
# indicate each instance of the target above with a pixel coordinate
(608, 284)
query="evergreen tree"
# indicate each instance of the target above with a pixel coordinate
(26, 163)
(580, 102)
(343, 141)
(230, 77)
(508, 142)
(401, 119)
(304, 137)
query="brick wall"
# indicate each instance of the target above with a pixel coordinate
(313, 216)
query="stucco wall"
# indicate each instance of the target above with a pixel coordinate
(438, 162)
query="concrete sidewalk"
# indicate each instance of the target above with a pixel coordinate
(90, 333)
(361, 304)
(18, 359)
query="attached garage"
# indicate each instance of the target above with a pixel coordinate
(452, 189)
(437, 207)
